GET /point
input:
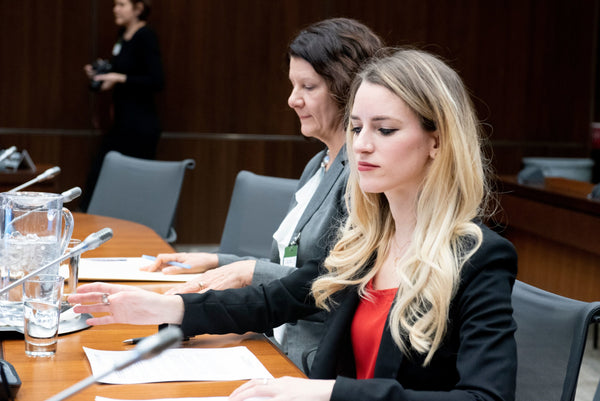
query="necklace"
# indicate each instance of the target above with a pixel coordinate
(325, 161)
(399, 250)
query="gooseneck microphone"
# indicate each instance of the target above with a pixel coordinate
(147, 348)
(46, 175)
(67, 196)
(71, 194)
(92, 241)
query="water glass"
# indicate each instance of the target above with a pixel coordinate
(41, 310)
(71, 265)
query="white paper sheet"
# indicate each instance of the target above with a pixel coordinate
(121, 269)
(180, 364)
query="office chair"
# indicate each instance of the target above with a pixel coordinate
(551, 336)
(140, 190)
(258, 205)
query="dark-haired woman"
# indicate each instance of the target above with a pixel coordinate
(323, 59)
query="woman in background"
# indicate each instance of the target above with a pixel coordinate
(135, 76)
(418, 288)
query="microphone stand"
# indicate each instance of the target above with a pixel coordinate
(46, 175)
(147, 348)
(92, 241)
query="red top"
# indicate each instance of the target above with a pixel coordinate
(367, 329)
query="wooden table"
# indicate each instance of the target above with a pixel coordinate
(44, 377)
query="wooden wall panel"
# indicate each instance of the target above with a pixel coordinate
(528, 63)
(42, 82)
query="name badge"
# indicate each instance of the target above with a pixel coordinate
(116, 49)
(290, 255)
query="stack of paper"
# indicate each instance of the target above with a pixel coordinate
(121, 269)
(180, 364)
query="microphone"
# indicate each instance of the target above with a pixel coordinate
(153, 345)
(146, 349)
(67, 196)
(7, 152)
(46, 175)
(92, 241)
(71, 194)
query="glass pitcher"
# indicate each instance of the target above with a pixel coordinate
(31, 236)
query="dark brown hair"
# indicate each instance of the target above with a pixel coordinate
(147, 4)
(336, 48)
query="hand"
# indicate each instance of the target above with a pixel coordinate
(285, 388)
(126, 304)
(110, 79)
(200, 262)
(234, 275)
(89, 71)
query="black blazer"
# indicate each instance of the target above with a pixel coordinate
(477, 360)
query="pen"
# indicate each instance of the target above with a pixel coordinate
(136, 340)
(183, 265)
(107, 259)
(133, 340)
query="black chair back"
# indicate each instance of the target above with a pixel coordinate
(258, 205)
(551, 336)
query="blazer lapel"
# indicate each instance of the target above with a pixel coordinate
(389, 356)
(334, 356)
(324, 188)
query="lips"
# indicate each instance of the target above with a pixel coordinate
(364, 166)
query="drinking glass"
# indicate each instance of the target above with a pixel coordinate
(71, 265)
(41, 312)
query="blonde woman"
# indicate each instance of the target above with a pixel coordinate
(418, 289)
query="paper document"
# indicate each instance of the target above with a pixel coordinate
(121, 269)
(180, 364)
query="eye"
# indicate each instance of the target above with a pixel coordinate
(356, 130)
(387, 131)
(309, 87)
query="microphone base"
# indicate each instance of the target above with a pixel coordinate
(10, 381)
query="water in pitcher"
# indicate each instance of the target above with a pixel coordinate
(23, 254)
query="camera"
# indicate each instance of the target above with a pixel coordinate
(100, 67)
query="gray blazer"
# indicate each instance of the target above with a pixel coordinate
(318, 228)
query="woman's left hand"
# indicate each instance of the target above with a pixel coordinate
(234, 275)
(285, 388)
(110, 79)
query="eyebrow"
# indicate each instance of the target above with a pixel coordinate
(376, 118)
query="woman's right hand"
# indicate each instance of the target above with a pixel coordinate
(126, 304)
(200, 262)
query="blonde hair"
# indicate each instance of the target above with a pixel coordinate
(451, 196)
